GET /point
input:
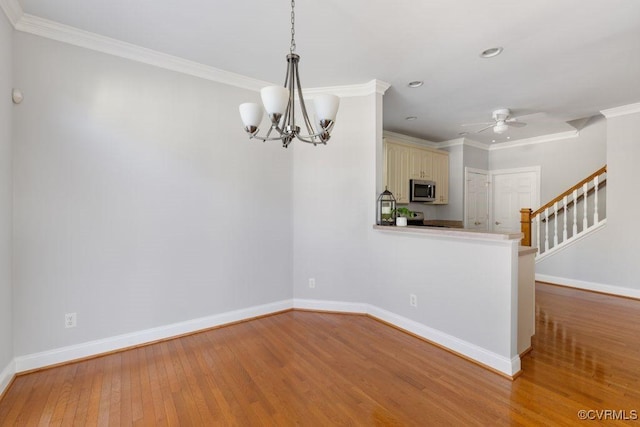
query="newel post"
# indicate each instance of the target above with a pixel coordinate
(525, 226)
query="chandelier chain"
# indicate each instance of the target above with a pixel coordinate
(293, 28)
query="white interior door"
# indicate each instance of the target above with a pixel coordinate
(513, 190)
(476, 199)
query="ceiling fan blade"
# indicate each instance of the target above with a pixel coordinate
(478, 124)
(485, 128)
(516, 124)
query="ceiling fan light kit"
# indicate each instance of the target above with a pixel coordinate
(279, 103)
(500, 128)
(502, 121)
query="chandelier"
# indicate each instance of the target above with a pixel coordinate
(279, 103)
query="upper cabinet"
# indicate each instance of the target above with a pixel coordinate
(396, 171)
(421, 164)
(404, 161)
(441, 177)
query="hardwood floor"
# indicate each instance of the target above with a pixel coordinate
(304, 368)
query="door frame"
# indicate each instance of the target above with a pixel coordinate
(492, 173)
(467, 171)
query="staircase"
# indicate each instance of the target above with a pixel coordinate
(567, 218)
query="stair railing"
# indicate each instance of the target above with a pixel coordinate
(543, 224)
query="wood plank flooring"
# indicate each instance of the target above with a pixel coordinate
(304, 368)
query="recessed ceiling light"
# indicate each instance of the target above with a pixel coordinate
(410, 118)
(415, 83)
(491, 52)
(493, 140)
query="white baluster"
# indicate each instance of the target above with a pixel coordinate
(575, 212)
(585, 191)
(564, 219)
(595, 200)
(555, 224)
(546, 229)
(538, 232)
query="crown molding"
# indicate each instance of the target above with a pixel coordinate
(535, 140)
(445, 144)
(64, 33)
(489, 147)
(464, 142)
(410, 139)
(472, 143)
(369, 88)
(622, 110)
(71, 35)
(13, 10)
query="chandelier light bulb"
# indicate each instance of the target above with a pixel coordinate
(275, 100)
(251, 115)
(326, 107)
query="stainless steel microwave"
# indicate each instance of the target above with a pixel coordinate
(422, 191)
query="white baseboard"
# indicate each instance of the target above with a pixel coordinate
(481, 355)
(334, 306)
(7, 375)
(92, 348)
(590, 286)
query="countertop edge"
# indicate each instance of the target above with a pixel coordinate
(526, 250)
(449, 232)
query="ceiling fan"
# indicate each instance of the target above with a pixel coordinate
(502, 121)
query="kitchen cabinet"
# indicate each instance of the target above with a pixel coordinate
(441, 177)
(421, 164)
(396, 171)
(404, 161)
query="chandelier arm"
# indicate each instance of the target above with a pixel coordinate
(324, 135)
(269, 133)
(310, 141)
(265, 138)
(285, 120)
(291, 68)
(314, 135)
(303, 107)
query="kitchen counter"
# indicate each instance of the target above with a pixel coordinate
(474, 290)
(443, 223)
(450, 232)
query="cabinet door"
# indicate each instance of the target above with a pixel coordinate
(397, 171)
(421, 164)
(441, 177)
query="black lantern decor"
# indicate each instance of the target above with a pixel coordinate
(386, 208)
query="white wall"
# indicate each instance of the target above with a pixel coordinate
(334, 189)
(477, 158)
(563, 162)
(139, 202)
(6, 321)
(608, 260)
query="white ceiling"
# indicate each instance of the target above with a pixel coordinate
(562, 60)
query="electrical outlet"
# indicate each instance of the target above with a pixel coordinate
(312, 283)
(413, 300)
(70, 320)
